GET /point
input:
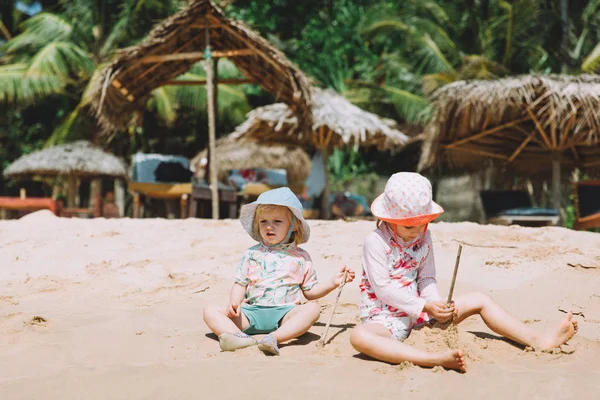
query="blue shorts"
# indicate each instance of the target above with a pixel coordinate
(264, 319)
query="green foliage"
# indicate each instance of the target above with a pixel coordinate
(386, 56)
(349, 171)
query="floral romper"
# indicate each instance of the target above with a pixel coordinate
(398, 279)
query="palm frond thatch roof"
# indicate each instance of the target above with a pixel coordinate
(171, 49)
(521, 121)
(79, 158)
(240, 154)
(336, 122)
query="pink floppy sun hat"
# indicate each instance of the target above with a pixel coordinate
(406, 200)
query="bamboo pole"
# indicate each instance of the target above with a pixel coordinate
(521, 147)
(203, 82)
(194, 56)
(565, 132)
(212, 163)
(486, 132)
(478, 152)
(539, 128)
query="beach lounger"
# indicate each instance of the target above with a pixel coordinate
(29, 204)
(586, 195)
(513, 207)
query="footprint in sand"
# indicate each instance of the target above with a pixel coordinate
(105, 234)
(37, 321)
(9, 299)
(104, 267)
(47, 284)
(136, 264)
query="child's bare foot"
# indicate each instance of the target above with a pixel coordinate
(454, 359)
(565, 331)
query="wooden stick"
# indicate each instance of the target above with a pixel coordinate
(521, 147)
(203, 82)
(539, 128)
(194, 56)
(478, 152)
(487, 132)
(455, 272)
(321, 342)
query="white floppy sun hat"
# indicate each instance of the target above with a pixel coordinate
(278, 197)
(407, 200)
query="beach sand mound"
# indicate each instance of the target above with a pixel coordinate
(101, 309)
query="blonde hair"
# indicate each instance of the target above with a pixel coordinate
(297, 232)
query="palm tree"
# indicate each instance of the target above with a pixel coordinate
(58, 53)
(589, 38)
(427, 44)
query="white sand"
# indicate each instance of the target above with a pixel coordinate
(112, 309)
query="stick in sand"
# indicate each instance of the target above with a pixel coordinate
(445, 325)
(455, 272)
(321, 342)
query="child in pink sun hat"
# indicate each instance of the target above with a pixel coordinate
(398, 289)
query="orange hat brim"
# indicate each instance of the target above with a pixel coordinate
(409, 221)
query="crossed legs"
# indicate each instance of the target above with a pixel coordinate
(295, 323)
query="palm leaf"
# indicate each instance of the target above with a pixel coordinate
(592, 62)
(62, 59)
(385, 26)
(432, 58)
(38, 31)
(65, 132)
(164, 102)
(232, 101)
(412, 107)
(19, 88)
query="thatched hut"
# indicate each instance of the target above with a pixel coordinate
(530, 124)
(199, 32)
(336, 123)
(171, 49)
(239, 154)
(74, 160)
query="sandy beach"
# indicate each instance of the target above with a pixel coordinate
(112, 309)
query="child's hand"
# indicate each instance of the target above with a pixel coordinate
(233, 310)
(337, 278)
(440, 310)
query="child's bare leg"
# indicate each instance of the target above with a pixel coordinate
(217, 320)
(501, 322)
(376, 341)
(297, 322)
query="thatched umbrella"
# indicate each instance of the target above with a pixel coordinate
(336, 123)
(124, 86)
(240, 154)
(73, 160)
(529, 123)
